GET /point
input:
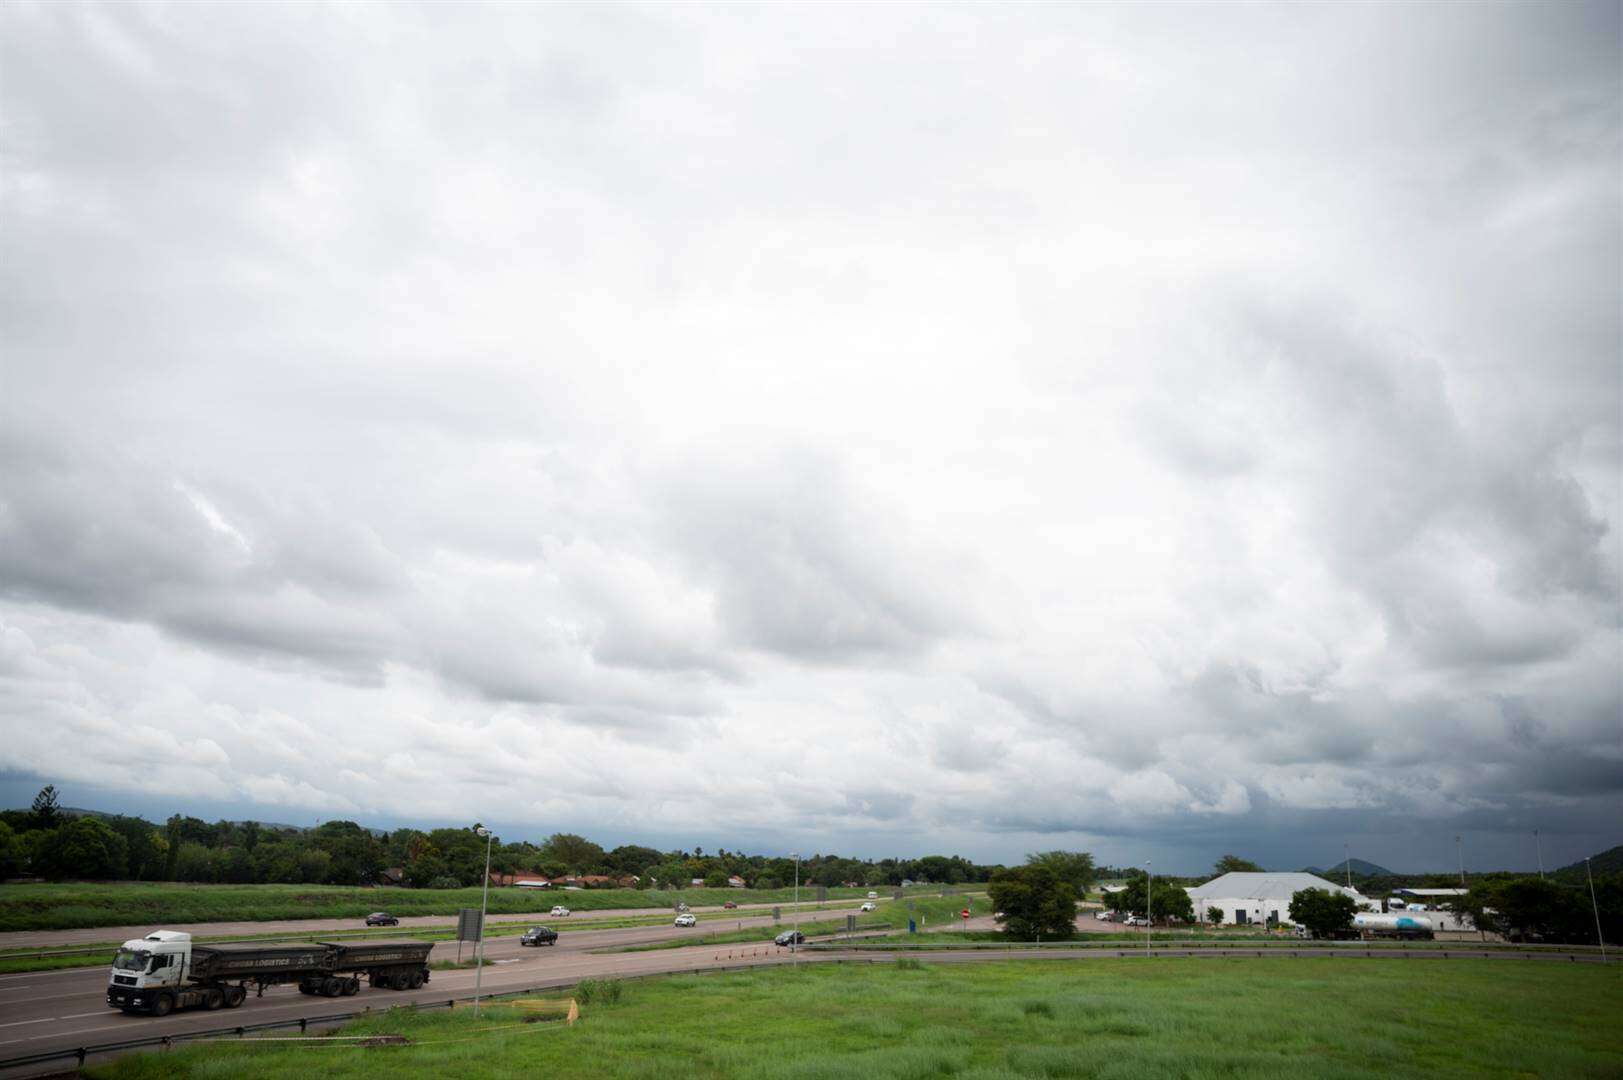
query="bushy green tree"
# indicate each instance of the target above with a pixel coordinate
(1075, 867)
(12, 855)
(45, 814)
(1323, 912)
(1233, 864)
(578, 854)
(1166, 899)
(1034, 901)
(82, 848)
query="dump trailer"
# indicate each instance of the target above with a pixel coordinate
(165, 971)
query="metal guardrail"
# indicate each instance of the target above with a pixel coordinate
(1174, 943)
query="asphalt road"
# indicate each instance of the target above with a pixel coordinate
(98, 935)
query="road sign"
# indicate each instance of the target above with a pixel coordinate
(964, 913)
(850, 924)
(469, 924)
(777, 913)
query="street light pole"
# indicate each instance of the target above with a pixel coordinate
(1538, 847)
(1346, 861)
(484, 900)
(1461, 852)
(1591, 876)
(1149, 906)
(794, 942)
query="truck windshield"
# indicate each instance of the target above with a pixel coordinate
(131, 960)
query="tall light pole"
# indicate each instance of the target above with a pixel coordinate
(1591, 876)
(484, 899)
(1461, 852)
(1346, 861)
(794, 942)
(1538, 847)
(1149, 906)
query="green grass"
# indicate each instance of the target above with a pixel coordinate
(73, 905)
(1109, 1019)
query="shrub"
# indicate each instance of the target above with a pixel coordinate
(598, 991)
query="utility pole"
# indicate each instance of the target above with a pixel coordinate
(794, 942)
(1346, 861)
(1461, 852)
(1591, 876)
(1538, 847)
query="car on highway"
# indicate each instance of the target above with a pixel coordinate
(559, 912)
(1104, 916)
(872, 895)
(790, 937)
(1136, 920)
(730, 905)
(869, 906)
(539, 935)
(381, 918)
(686, 919)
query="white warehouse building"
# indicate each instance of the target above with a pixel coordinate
(1261, 898)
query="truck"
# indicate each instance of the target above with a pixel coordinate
(1395, 924)
(165, 970)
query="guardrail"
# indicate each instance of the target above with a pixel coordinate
(1174, 943)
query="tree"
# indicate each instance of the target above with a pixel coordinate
(44, 813)
(1075, 867)
(1233, 864)
(716, 879)
(1323, 912)
(1167, 900)
(1214, 915)
(83, 848)
(672, 874)
(11, 852)
(577, 853)
(1034, 901)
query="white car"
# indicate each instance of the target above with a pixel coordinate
(869, 906)
(1103, 916)
(686, 920)
(559, 912)
(872, 895)
(1137, 920)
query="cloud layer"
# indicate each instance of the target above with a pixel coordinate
(1163, 429)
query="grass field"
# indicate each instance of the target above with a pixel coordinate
(1115, 1019)
(70, 906)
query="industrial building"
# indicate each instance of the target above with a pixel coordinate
(1263, 899)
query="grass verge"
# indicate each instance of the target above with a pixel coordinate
(1108, 1019)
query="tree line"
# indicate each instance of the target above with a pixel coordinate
(50, 842)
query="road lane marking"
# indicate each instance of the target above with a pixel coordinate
(20, 1023)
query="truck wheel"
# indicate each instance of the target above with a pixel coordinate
(352, 986)
(162, 1005)
(235, 996)
(330, 987)
(416, 980)
(213, 998)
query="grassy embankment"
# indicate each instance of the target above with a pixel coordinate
(72, 905)
(1268, 1018)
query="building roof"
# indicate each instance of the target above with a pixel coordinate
(1264, 886)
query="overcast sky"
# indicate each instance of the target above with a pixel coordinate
(1161, 430)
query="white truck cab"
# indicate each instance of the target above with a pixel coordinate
(159, 959)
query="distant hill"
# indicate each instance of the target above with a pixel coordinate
(1607, 862)
(1360, 868)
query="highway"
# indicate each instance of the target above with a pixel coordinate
(17, 940)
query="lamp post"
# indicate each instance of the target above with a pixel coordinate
(1149, 906)
(1346, 861)
(794, 942)
(1538, 847)
(1591, 876)
(484, 898)
(1461, 851)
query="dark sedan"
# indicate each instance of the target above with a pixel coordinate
(539, 935)
(381, 918)
(790, 937)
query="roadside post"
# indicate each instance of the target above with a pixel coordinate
(850, 925)
(777, 913)
(470, 926)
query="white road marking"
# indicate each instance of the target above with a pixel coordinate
(20, 1023)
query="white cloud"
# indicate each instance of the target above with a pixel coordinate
(736, 422)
